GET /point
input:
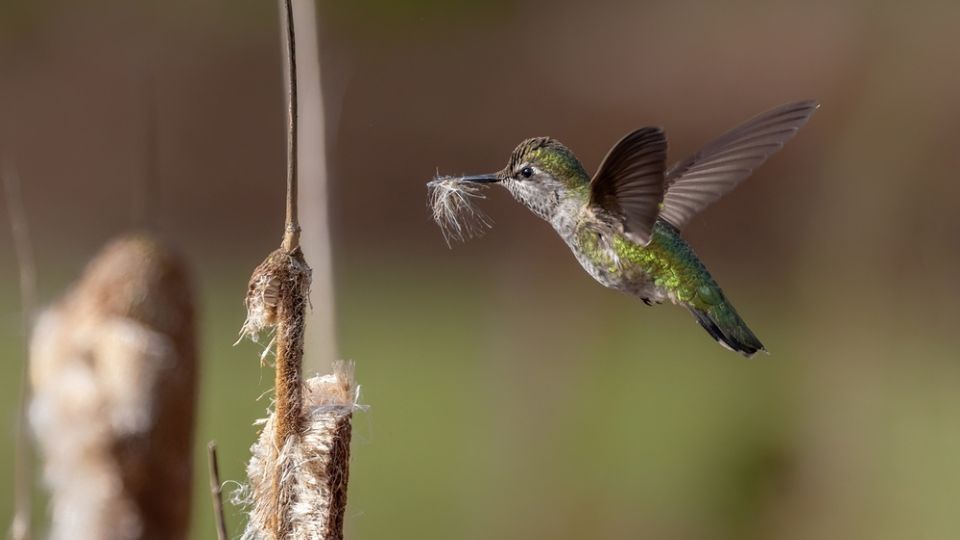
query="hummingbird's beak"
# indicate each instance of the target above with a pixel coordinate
(482, 178)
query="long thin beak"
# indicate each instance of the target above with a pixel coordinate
(482, 178)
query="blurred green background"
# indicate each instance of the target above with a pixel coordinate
(510, 396)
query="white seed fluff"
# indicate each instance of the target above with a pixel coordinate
(451, 200)
(313, 466)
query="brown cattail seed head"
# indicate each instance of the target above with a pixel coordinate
(113, 371)
(281, 274)
(313, 467)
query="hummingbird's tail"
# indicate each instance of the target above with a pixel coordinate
(723, 323)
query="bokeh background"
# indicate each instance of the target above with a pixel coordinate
(510, 396)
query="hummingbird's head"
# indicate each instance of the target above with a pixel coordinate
(541, 173)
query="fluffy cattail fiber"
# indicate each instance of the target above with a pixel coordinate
(451, 201)
(299, 466)
(113, 374)
(312, 466)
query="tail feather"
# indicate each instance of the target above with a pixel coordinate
(723, 324)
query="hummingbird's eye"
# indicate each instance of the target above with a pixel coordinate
(526, 172)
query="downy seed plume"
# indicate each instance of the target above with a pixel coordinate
(451, 200)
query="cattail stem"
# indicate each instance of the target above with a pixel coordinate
(291, 234)
(278, 297)
(292, 302)
(299, 469)
(23, 457)
(216, 490)
(288, 384)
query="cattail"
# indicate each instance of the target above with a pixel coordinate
(299, 468)
(277, 299)
(451, 201)
(310, 470)
(113, 371)
(300, 463)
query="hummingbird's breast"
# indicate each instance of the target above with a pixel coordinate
(594, 242)
(664, 269)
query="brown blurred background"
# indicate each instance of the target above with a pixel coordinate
(510, 396)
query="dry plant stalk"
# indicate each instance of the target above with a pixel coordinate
(451, 201)
(321, 343)
(277, 299)
(298, 471)
(113, 370)
(300, 463)
(20, 528)
(216, 491)
(313, 468)
(291, 234)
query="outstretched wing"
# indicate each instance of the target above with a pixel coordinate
(696, 182)
(629, 183)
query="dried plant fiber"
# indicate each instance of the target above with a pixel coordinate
(312, 467)
(452, 204)
(113, 373)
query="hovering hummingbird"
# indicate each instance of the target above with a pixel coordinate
(623, 224)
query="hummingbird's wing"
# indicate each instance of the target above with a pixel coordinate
(696, 182)
(629, 183)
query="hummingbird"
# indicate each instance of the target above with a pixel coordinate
(624, 223)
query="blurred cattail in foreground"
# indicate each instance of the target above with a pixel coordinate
(113, 370)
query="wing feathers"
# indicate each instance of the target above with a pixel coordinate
(696, 182)
(629, 182)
